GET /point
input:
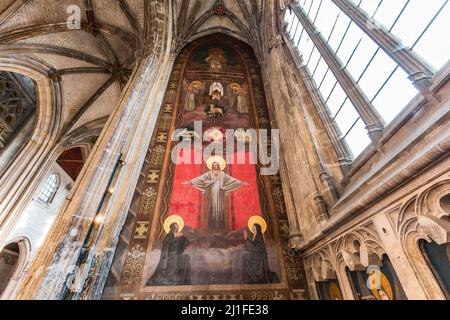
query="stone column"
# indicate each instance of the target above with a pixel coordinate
(402, 266)
(298, 150)
(295, 233)
(81, 245)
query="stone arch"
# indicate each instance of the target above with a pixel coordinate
(218, 30)
(357, 250)
(20, 268)
(429, 202)
(344, 281)
(322, 266)
(83, 138)
(424, 218)
(20, 176)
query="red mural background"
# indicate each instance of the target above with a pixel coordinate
(243, 203)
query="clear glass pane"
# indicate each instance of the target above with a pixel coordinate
(314, 59)
(312, 13)
(327, 17)
(358, 139)
(321, 69)
(338, 33)
(362, 58)
(336, 99)
(414, 19)
(394, 96)
(376, 74)
(346, 117)
(353, 36)
(433, 47)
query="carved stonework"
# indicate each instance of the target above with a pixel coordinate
(294, 265)
(278, 199)
(276, 41)
(15, 105)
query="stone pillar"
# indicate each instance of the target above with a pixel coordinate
(402, 266)
(81, 245)
(299, 153)
(295, 233)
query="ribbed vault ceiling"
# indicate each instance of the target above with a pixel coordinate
(95, 62)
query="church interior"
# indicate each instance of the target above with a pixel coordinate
(224, 150)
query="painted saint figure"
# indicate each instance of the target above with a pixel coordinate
(383, 295)
(240, 94)
(216, 186)
(216, 59)
(174, 266)
(255, 262)
(191, 90)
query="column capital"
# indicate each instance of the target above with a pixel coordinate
(276, 41)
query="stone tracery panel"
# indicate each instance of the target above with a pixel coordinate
(421, 216)
(15, 104)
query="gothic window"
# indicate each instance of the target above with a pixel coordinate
(341, 109)
(329, 290)
(384, 283)
(430, 25)
(50, 188)
(438, 258)
(17, 104)
(9, 257)
(379, 77)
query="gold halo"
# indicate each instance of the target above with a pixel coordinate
(221, 161)
(257, 220)
(385, 286)
(173, 219)
(197, 84)
(334, 293)
(235, 86)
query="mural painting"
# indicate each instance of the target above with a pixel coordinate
(209, 221)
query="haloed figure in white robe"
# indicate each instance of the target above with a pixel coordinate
(216, 185)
